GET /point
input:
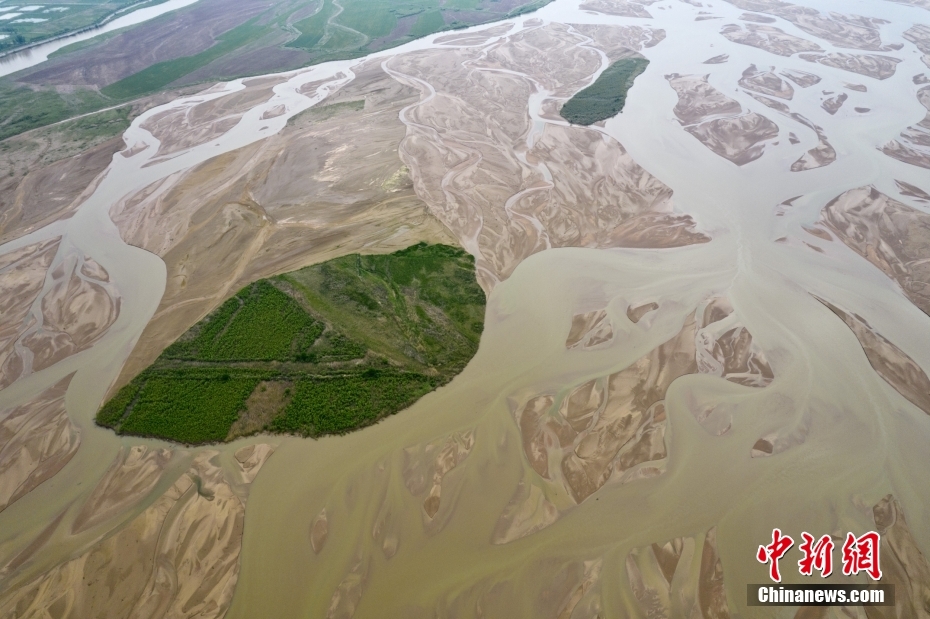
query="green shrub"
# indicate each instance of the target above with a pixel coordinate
(197, 407)
(338, 405)
(606, 97)
(361, 337)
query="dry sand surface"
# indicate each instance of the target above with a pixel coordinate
(191, 532)
(608, 427)
(913, 145)
(919, 35)
(330, 183)
(681, 577)
(870, 65)
(769, 38)
(719, 122)
(47, 191)
(766, 83)
(622, 8)
(851, 31)
(887, 233)
(78, 304)
(467, 149)
(22, 276)
(891, 363)
(36, 441)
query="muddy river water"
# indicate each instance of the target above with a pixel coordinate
(336, 527)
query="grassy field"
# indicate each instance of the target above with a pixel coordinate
(47, 21)
(22, 109)
(362, 26)
(606, 96)
(358, 337)
(51, 144)
(158, 76)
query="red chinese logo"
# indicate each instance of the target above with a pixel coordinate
(817, 556)
(860, 554)
(773, 552)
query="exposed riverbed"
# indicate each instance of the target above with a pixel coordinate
(339, 526)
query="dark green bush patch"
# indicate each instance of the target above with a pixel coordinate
(606, 97)
(359, 337)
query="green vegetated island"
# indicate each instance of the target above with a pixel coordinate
(606, 97)
(324, 350)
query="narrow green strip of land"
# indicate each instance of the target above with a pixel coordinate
(324, 350)
(606, 97)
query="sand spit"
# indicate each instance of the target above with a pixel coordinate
(821, 155)
(319, 531)
(833, 104)
(913, 147)
(849, 31)
(474, 37)
(190, 538)
(768, 38)
(766, 83)
(589, 330)
(903, 565)
(619, 42)
(425, 466)
(682, 577)
(891, 363)
(887, 233)
(180, 128)
(22, 276)
(527, 512)
(77, 309)
(607, 428)
(924, 4)
(912, 191)
(508, 185)
(43, 193)
(130, 478)
(329, 183)
(718, 122)
(36, 441)
(759, 19)
(870, 65)
(720, 136)
(919, 35)
(801, 78)
(78, 304)
(349, 592)
(698, 100)
(784, 438)
(621, 8)
(636, 313)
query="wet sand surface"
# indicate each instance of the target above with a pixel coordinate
(707, 318)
